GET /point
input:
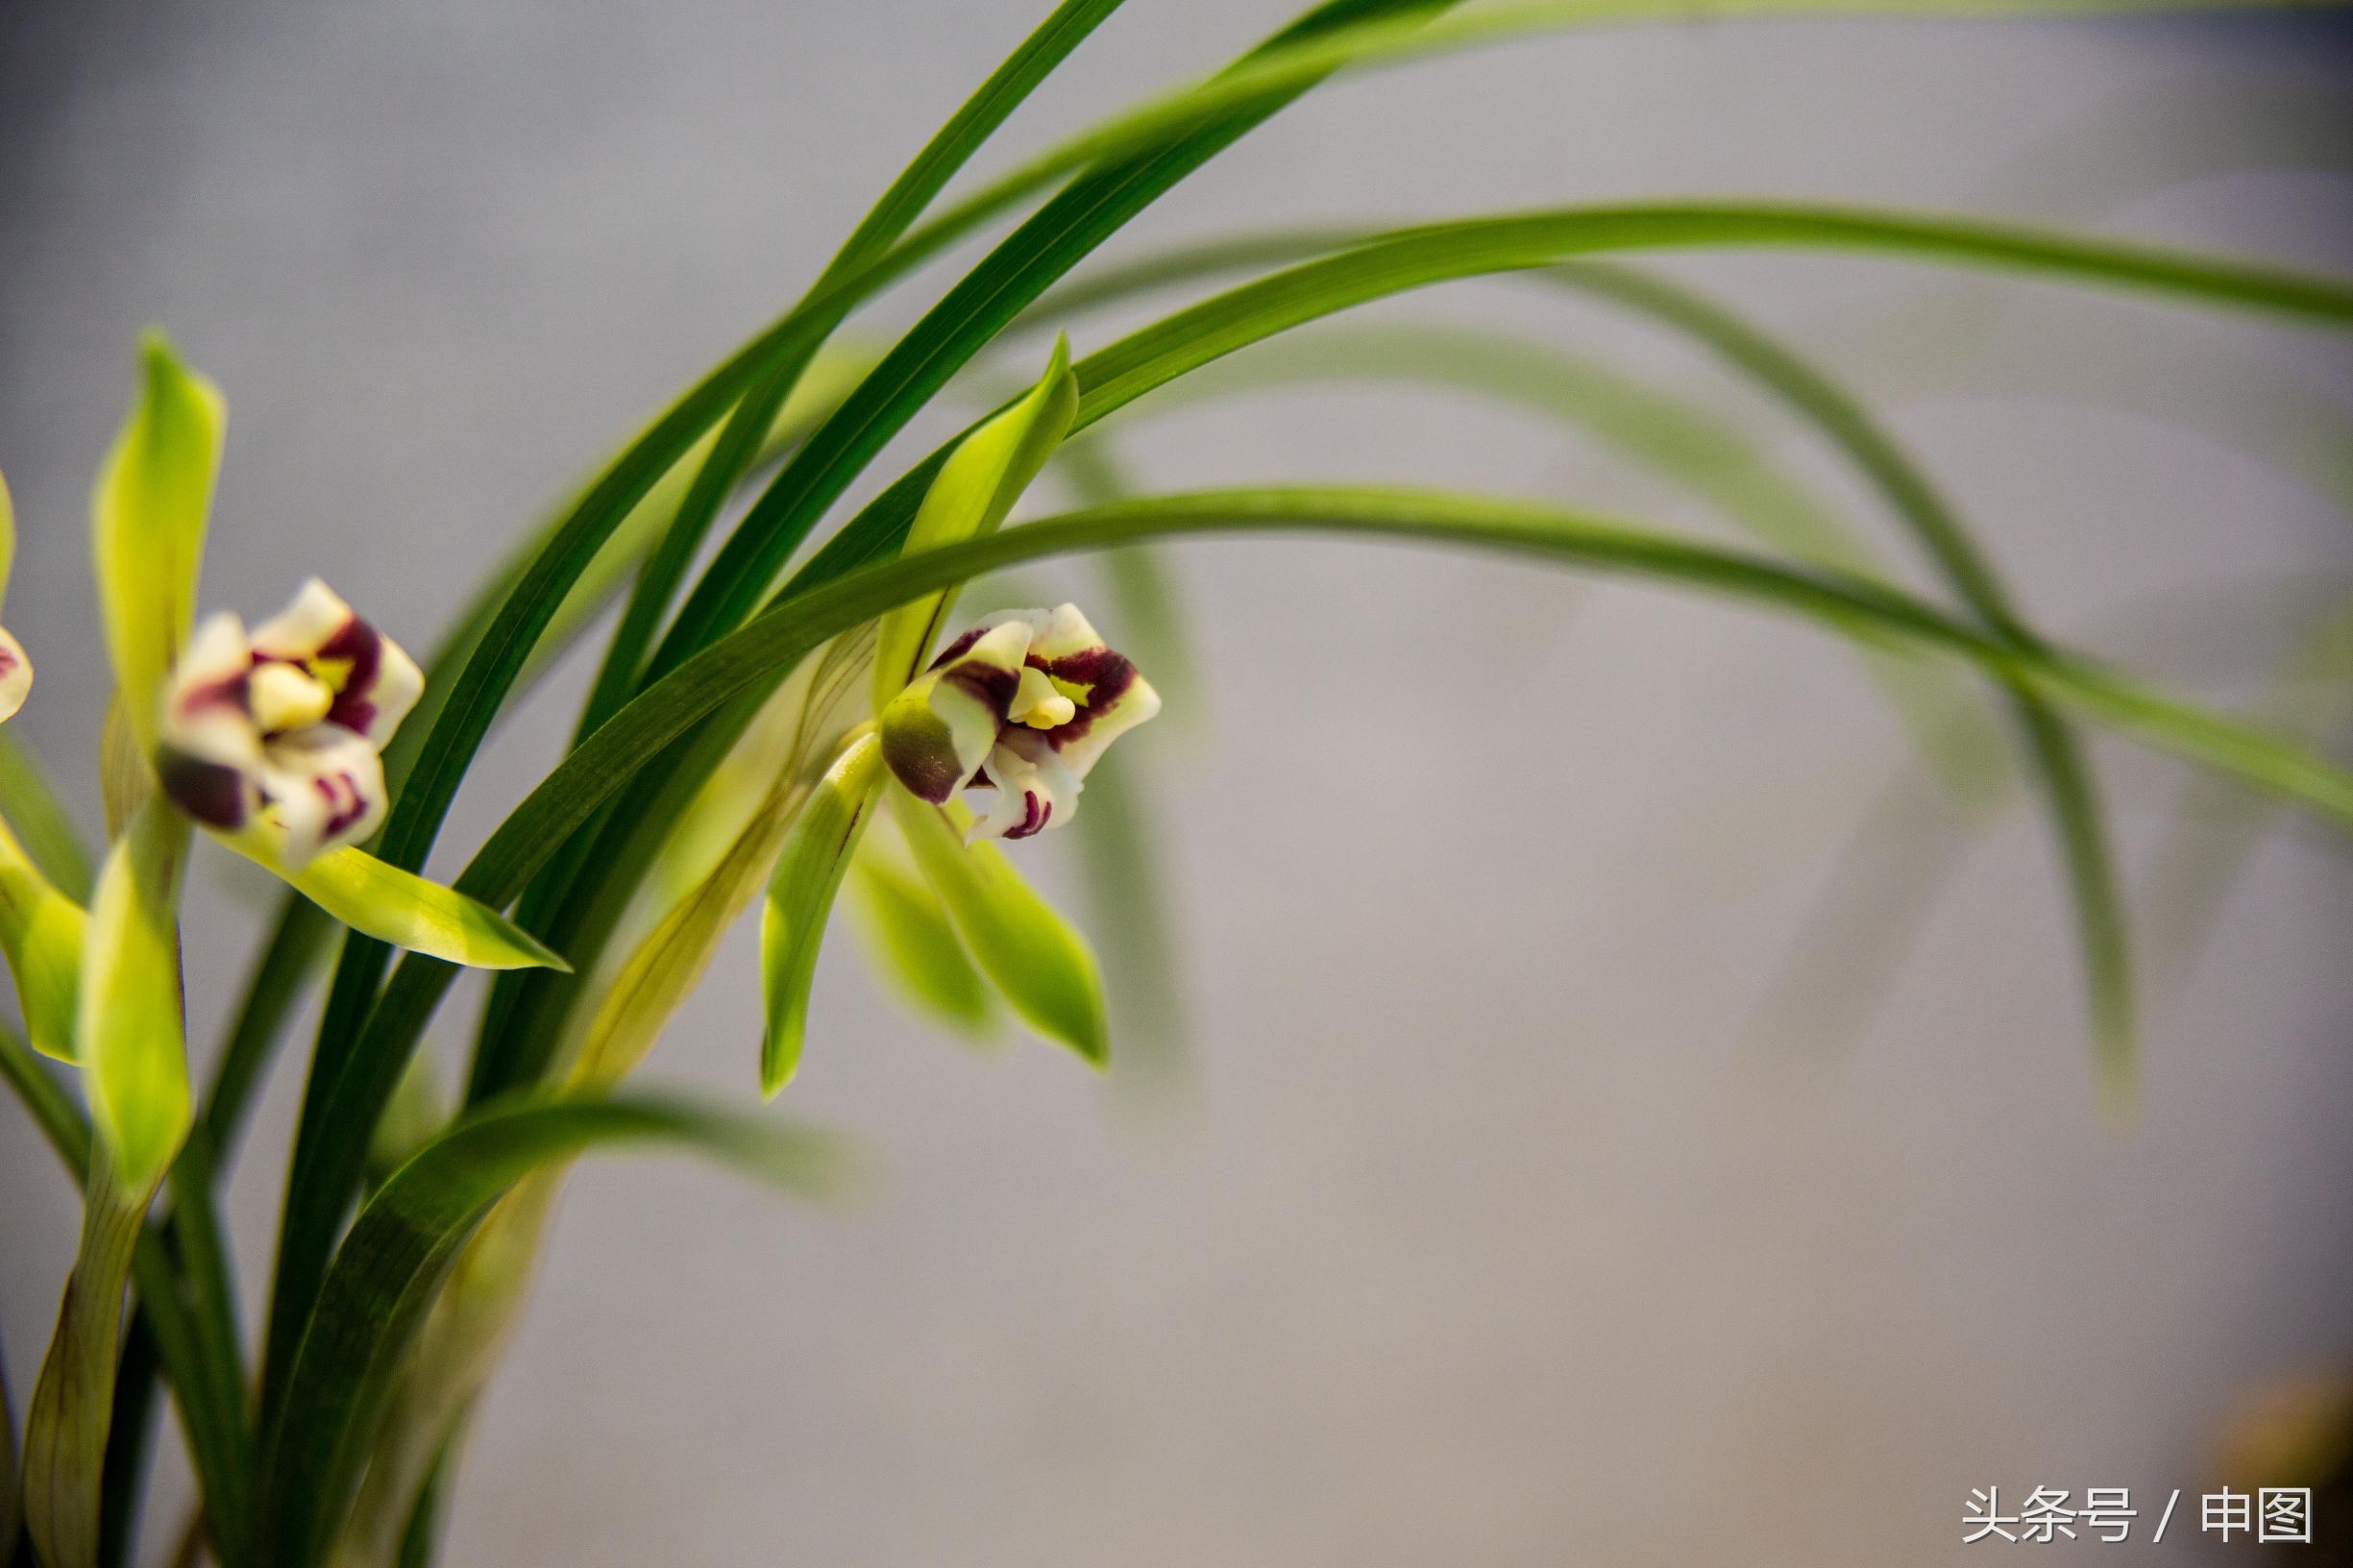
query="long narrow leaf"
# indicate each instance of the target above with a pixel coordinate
(406, 1239)
(816, 852)
(2070, 798)
(65, 1422)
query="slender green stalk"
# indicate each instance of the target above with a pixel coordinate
(65, 1422)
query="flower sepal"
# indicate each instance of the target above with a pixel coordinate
(379, 900)
(1035, 958)
(41, 934)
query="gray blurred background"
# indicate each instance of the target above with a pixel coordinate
(1483, 1228)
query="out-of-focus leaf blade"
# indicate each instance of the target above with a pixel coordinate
(1395, 36)
(45, 1100)
(1036, 959)
(913, 943)
(1418, 257)
(40, 819)
(1145, 601)
(2212, 830)
(2070, 798)
(800, 893)
(403, 1244)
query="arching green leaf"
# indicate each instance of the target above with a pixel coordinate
(403, 1244)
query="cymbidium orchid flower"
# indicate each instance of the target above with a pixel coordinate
(16, 675)
(1024, 703)
(273, 739)
(40, 927)
(16, 669)
(269, 742)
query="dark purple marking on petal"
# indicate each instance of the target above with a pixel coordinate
(213, 792)
(925, 763)
(363, 646)
(1034, 816)
(987, 685)
(8, 660)
(345, 806)
(1103, 674)
(962, 646)
(228, 692)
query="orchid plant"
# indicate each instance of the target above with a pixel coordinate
(766, 731)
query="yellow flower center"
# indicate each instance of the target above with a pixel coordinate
(1036, 702)
(284, 697)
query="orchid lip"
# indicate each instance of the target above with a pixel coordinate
(1022, 703)
(283, 725)
(16, 675)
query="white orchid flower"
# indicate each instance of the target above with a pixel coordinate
(1023, 705)
(273, 739)
(16, 669)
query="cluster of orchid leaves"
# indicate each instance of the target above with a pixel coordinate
(764, 731)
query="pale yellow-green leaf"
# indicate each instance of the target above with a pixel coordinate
(800, 891)
(717, 859)
(381, 900)
(976, 487)
(906, 932)
(41, 935)
(1036, 960)
(125, 779)
(147, 517)
(128, 1031)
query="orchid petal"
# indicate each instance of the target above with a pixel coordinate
(381, 900)
(373, 681)
(1035, 788)
(128, 1034)
(800, 893)
(16, 669)
(326, 789)
(938, 732)
(1109, 698)
(7, 538)
(41, 934)
(1036, 959)
(148, 529)
(976, 487)
(16, 675)
(280, 730)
